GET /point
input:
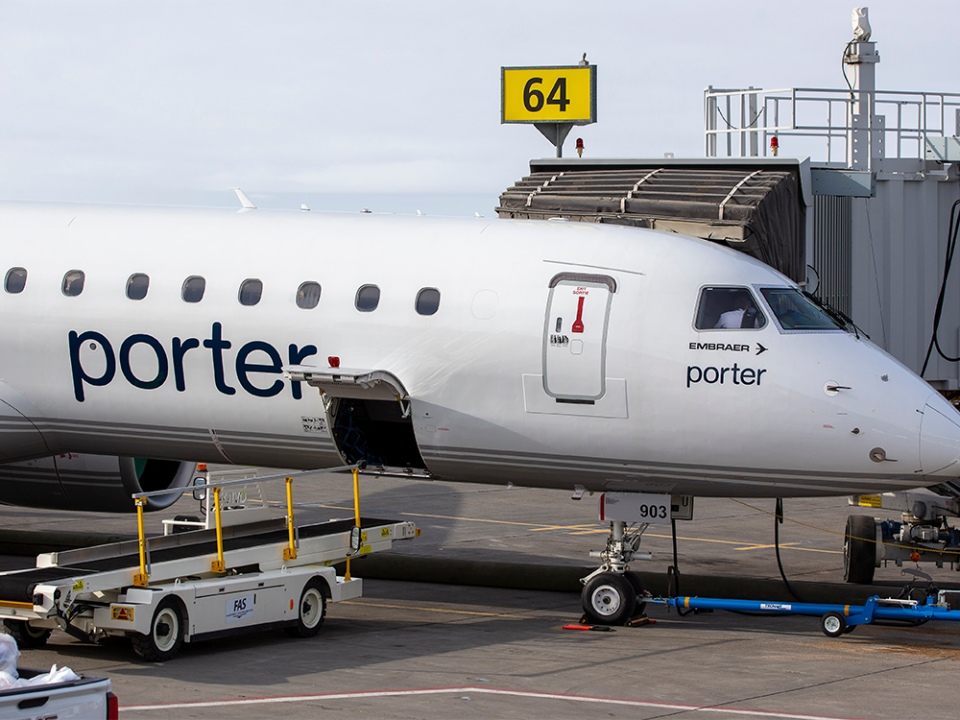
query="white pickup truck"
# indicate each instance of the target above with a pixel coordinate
(86, 698)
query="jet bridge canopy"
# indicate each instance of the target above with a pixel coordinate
(755, 207)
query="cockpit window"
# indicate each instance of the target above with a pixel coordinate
(795, 311)
(728, 308)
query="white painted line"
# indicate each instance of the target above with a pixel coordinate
(476, 690)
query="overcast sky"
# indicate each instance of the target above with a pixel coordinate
(391, 105)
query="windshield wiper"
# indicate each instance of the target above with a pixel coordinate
(837, 316)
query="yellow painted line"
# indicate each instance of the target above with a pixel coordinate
(540, 526)
(732, 542)
(566, 527)
(438, 610)
(764, 547)
(578, 529)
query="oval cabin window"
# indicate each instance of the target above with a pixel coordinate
(308, 295)
(428, 301)
(193, 288)
(368, 297)
(73, 283)
(250, 292)
(15, 281)
(137, 286)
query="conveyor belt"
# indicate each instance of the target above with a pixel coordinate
(18, 586)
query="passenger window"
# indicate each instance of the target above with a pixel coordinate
(308, 295)
(137, 286)
(16, 280)
(368, 297)
(250, 292)
(728, 307)
(193, 288)
(73, 283)
(795, 311)
(428, 301)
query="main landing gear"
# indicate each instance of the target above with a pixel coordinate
(611, 594)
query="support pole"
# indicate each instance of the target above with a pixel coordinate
(290, 552)
(142, 578)
(218, 565)
(556, 133)
(356, 515)
(356, 497)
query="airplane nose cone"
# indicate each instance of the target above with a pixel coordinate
(939, 438)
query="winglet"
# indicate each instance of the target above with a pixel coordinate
(244, 200)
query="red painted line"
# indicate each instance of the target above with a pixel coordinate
(478, 690)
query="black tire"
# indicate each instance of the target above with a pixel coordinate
(166, 633)
(25, 635)
(833, 624)
(859, 553)
(311, 611)
(638, 588)
(609, 599)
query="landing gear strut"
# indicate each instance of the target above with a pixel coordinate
(611, 594)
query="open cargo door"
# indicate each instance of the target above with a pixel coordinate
(368, 413)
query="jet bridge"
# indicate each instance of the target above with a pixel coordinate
(756, 205)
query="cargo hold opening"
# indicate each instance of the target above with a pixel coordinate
(376, 433)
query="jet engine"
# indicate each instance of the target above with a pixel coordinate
(101, 483)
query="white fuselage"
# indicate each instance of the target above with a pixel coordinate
(637, 400)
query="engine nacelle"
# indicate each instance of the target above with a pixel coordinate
(99, 483)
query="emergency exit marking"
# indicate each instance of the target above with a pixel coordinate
(578, 323)
(556, 94)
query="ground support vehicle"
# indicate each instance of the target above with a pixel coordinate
(87, 697)
(921, 534)
(835, 620)
(202, 584)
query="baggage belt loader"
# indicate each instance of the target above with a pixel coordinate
(188, 586)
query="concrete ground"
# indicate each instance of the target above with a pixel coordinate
(434, 650)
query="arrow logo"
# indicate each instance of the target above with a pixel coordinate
(761, 350)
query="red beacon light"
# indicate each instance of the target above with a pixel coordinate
(774, 145)
(579, 147)
(334, 361)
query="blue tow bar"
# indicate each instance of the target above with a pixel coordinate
(835, 620)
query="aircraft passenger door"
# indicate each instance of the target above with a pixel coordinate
(575, 336)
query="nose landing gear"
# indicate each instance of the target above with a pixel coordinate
(611, 594)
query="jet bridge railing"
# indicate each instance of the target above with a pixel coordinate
(743, 122)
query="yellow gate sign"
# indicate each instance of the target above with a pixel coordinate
(551, 94)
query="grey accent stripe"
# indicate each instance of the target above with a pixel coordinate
(632, 468)
(158, 433)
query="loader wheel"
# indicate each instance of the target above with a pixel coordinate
(26, 635)
(311, 612)
(859, 549)
(166, 633)
(609, 599)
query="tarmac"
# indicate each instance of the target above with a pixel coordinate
(467, 619)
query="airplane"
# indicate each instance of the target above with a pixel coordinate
(548, 354)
